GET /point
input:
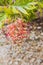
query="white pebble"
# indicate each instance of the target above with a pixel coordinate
(38, 27)
(42, 33)
(16, 63)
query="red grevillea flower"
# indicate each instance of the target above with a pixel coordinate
(16, 30)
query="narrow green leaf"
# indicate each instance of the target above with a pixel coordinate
(15, 11)
(2, 18)
(22, 10)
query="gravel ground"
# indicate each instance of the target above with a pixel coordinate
(28, 52)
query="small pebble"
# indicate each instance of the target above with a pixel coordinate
(38, 28)
(42, 33)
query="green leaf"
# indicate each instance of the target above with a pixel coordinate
(15, 11)
(2, 18)
(22, 10)
(40, 4)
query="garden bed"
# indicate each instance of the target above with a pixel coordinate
(25, 52)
